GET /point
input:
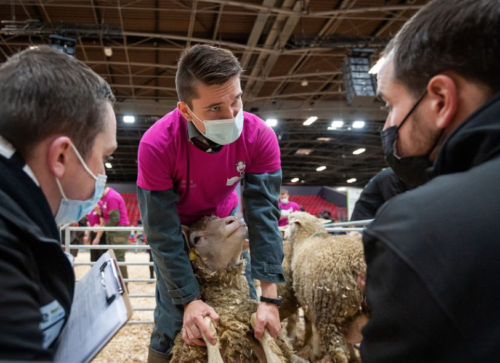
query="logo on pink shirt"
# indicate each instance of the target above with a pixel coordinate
(240, 168)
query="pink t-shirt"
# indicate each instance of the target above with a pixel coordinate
(287, 208)
(113, 200)
(205, 182)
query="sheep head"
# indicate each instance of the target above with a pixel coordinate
(302, 225)
(216, 242)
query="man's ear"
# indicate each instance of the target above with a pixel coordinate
(58, 155)
(443, 93)
(183, 109)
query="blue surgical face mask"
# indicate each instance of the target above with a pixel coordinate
(223, 132)
(284, 200)
(71, 210)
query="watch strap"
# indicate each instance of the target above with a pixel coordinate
(276, 301)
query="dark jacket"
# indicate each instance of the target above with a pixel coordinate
(379, 190)
(432, 256)
(36, 277)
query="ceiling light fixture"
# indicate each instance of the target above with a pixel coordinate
(295, 180)
(303, 151)
(310, 120)
(129, 119)
(321, 168)
(271, 122)
(358, 124)
(337, 124)
(359, 151)
(352, 180)
(108, 165)
(108, 51)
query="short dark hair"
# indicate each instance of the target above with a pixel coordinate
(204, 64)
(45, 92)
(449, 35)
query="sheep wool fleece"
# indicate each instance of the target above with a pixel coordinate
(205, 182)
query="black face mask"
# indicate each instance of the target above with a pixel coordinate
(411, 169)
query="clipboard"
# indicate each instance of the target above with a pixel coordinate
(100, 308)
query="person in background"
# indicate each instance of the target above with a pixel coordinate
(57, 125)
(114, 211)
(77, 237)
(286, 207)
(379, 190)
(432, 253)
(326, 214)
(96, 218)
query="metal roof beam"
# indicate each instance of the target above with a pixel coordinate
(256, 32)
(126, 48)
(281, 37)
(272, 11)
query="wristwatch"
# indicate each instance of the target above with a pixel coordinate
(277, 301)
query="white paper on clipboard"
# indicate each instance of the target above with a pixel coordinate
(98, 311)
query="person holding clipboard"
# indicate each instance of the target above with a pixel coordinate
(57, 126)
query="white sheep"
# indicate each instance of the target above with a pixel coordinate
(289, 309)
(328, 274)
(216, 246)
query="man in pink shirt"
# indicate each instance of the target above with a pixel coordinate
(190, 163)
(286, 207)
(95, 218)
(114, 212)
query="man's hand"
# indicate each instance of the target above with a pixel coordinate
(193, 325)
(268, 316)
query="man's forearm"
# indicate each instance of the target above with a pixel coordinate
(260, 197)
(269, 289)
(162, 227)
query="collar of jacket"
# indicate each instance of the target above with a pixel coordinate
(475, 141)
(23, 202)
(200, 141)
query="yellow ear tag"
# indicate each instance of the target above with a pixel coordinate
(192, 254)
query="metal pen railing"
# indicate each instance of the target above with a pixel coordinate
(348, 226)
(67, 229)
